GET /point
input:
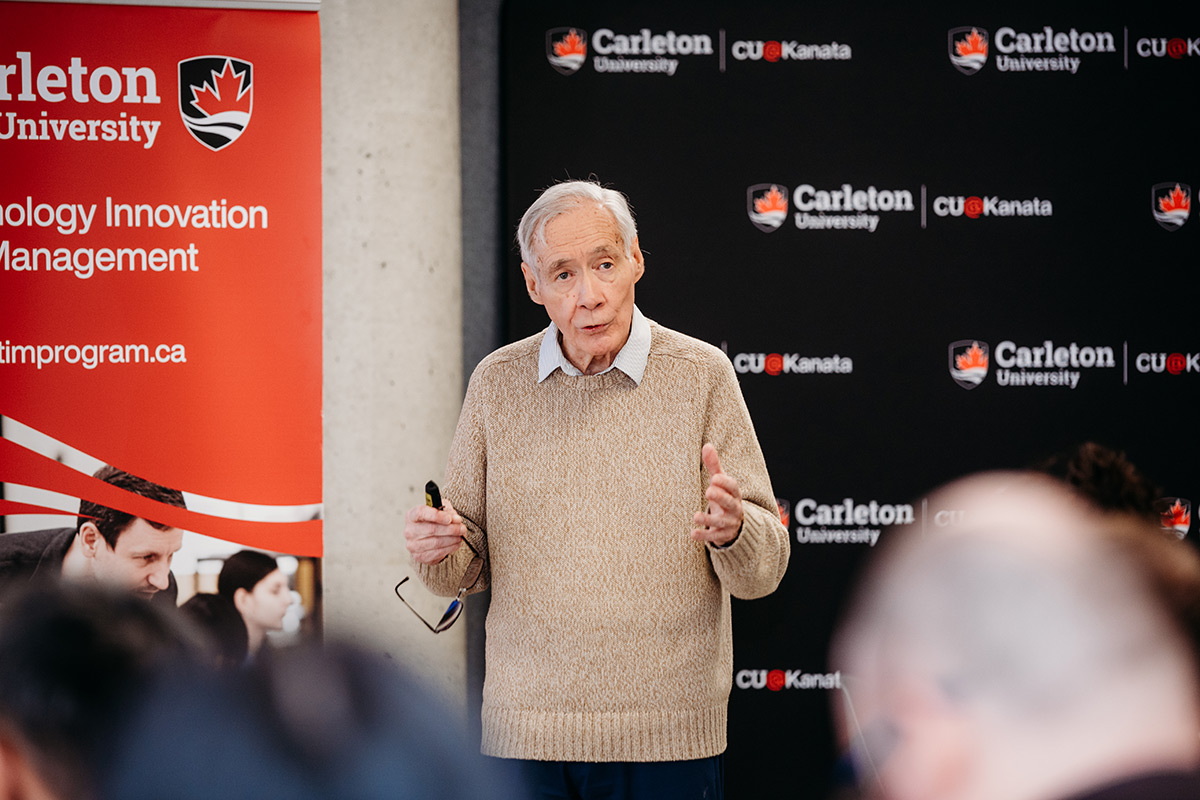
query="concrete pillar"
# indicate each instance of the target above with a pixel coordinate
(393, 320)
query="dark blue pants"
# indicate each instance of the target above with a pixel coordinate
(702, 779)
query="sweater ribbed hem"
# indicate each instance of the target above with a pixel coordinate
(650, 735)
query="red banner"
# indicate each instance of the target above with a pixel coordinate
(160, 257)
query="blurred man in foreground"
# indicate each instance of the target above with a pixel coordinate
(74, 660)
(107, 545)
(106, 697)
(1027, 654)
(313, 723)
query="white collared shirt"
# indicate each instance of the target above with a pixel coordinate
(631, 359)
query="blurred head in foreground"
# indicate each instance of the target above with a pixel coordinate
(1032, 652)
(312, 723)
(74, 659)
(104, 696)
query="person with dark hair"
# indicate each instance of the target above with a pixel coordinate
(107, 545)
(1110, 481)
(254, 585)
(313, 723)
(1105, 476)
(72, 659)
(223, 626)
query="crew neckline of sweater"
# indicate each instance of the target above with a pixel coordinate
(606, 380)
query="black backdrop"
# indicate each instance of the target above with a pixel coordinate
(1083, 154)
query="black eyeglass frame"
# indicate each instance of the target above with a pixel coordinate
(454, 611)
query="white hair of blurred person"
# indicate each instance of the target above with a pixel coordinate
(1022, 654)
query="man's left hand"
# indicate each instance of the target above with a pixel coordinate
(722, 522)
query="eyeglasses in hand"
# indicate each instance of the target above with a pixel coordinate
(469, 579)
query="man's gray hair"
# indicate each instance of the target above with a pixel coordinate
(563, 197)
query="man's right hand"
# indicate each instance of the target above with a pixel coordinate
(431, 534)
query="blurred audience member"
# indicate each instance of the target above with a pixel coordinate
(221, 623)
(1112, 482)
(73, 659)
(306, 724)
(254, 584)
(1026, 654)
(1106, 477)
(1173, 568)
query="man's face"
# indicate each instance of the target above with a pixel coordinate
(585, 281)
(141, 559)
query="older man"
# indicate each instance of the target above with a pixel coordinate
(609, 475)
(1030, 653)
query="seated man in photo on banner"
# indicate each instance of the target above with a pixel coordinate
(607, 473)
(1030, 652)
(106, 545)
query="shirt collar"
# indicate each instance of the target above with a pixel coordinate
(631, 360)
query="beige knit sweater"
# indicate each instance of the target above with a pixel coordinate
(608, 636)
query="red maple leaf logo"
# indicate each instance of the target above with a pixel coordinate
(771, 201)
(571, 45)
(227, 92)
(1178, 516)
(1175, 200)
(972, 45)
(973, 357)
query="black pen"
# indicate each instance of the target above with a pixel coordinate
(433, 497)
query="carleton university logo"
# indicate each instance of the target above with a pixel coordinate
(1176, 514)
(566, 49)
(968, 49)
(1171, 203)
(216, 94)
(767, 205)
(968, 362)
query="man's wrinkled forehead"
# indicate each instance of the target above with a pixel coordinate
(610, 249)
(543, 244)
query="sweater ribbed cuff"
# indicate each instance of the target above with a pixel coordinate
(743, 567)
(442, 578)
